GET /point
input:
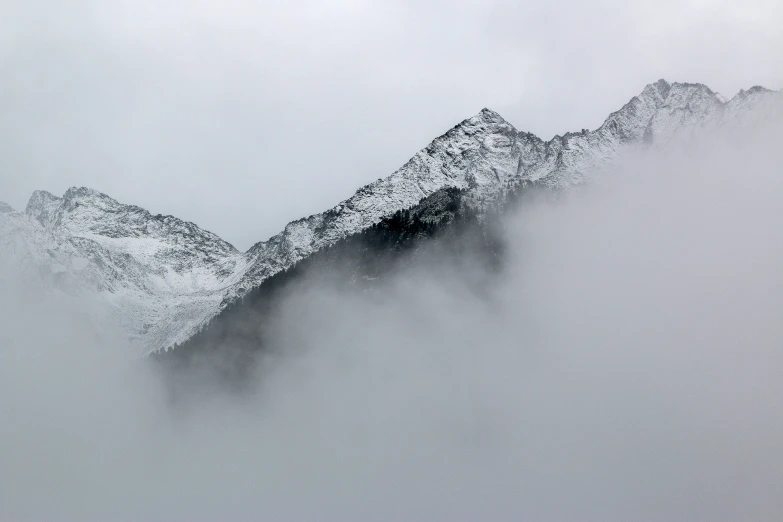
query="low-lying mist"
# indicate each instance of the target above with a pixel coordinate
(625, 365)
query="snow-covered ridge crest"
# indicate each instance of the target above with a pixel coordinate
(163, 278)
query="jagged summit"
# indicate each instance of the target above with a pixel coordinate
(42, 206)
(160, 275)
(661, 86)
(84, 192)
(490, 116)
(89, 196)
(164, 278)
(5, 207)
(85, 211)
(753, 90)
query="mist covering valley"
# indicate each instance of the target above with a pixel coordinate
(622, 362)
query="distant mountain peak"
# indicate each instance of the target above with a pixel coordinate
(5, 208)
(41, 195)
(85, 193)
(661, 87)
(664, 91)
(43, 206)
(89, 198)
(490, 116)
(753, 90)
(481, 121)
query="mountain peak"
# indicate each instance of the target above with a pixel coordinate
(662, 90)
(488, 116)
(41, 195)
(85, 195)
(42, 206)
(489, 113)
(691, 87)
(662, 87)
(743, 93)
(5, 208)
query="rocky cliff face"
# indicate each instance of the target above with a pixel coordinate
(162, 279)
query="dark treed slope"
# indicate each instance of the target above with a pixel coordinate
(446, 223)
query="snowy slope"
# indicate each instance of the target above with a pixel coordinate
(159, 276)
(485, 154)
(162, 279)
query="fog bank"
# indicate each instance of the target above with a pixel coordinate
(625, 365)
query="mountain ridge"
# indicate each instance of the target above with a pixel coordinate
(169, 277)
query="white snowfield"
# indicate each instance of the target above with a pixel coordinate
(162, 279)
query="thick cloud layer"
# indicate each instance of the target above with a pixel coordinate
(625, 365)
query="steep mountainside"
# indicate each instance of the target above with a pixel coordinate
(444, 227)
(159, 276)
(163, 279)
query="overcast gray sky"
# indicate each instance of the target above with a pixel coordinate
(241, 116)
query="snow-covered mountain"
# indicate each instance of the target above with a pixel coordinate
(155, 276)
(162, 279)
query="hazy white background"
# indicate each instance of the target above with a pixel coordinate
(243, 115)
